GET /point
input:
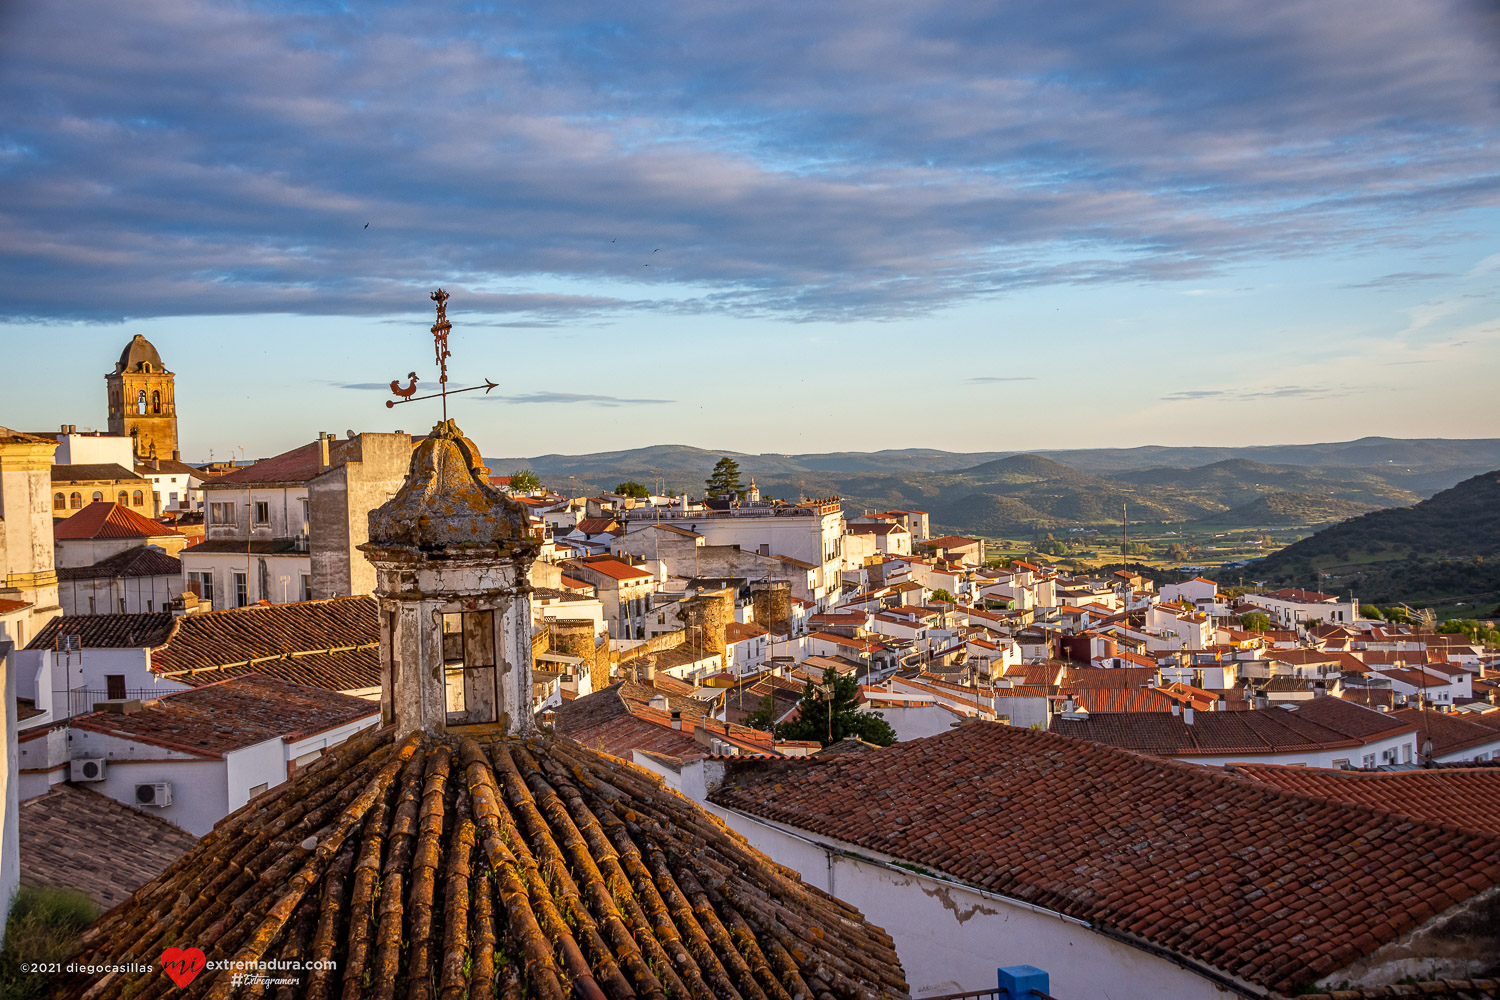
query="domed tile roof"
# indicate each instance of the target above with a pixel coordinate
(138, 352)
(443, 867)
(446, 502)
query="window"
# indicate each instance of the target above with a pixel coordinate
(1388, 756)
(202, 584)
(59, 502)
(1406, 754)
(98, 496)
(1369, 760)
(114, 686)
(75, 500)
(122, 498)
(155, 402)
(306, 587)
(262, 512)
(137, 498)
(140, 401)
(221, 513)
(306, 516)
(241, 590)
(172, 498)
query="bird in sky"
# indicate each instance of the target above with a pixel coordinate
(657, 250)
(367, 225)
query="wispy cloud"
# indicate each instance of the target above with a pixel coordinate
(1001, 378)
(575, 397)
(1273, 392)
(1400, 279)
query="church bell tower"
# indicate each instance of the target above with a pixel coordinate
(451, 557)
(143, 401)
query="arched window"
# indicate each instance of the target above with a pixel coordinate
(140, 401)
(59, 502)
(155, 402)
(75, 500)
(98, 496)
(122, 498)
(137, 498)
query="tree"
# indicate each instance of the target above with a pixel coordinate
(942, 595)
(725, 480)
(1369, 611)
(764, 715)
(1255, 622)
(828, 713)
(631, 488)
(524, 481)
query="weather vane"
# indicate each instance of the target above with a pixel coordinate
(440, 331)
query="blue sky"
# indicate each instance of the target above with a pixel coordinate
(761, 226)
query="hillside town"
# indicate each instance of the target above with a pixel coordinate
(995, 761)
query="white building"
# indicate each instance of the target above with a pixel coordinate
(1291, 607)
(196, 756)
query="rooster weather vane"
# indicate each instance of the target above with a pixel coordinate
(440, 331)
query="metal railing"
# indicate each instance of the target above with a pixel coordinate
(81, 701)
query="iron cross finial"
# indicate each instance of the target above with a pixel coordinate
(440, 331)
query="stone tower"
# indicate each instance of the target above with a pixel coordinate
(451, 559)
(143, 401)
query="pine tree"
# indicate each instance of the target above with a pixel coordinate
(827, 723)
(725, 480)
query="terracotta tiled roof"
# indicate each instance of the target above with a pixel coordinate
(1216, 868)
(740, 631)
(290, 468)
(502, 868)
(1080, 678)
(92, 473)
(143, 560)
(1449, 733)
(79, 839)
(106, 631)
(1319, 724)
(1301, 596)
(214, 638)
(212, 720)
(104, 519)
(9, 606)
(1120, 700)
(949, 542)
(614, 569)
(1465, 798)
(596, 525)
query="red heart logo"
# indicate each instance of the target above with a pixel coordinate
(183, 964)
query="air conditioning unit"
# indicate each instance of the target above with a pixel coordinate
(157, 793)
(86, 769)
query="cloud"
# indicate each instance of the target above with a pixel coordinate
(1001, 378)
(386, 386)
(574, 397)
(1399, 279)
(1274, 392)
(835, 161)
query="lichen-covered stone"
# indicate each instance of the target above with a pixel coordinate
(445, 504)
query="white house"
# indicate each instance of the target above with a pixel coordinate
(1291, 607)
(196, 756)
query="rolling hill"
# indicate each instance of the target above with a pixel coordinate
(1441, 550)
(1019, 494)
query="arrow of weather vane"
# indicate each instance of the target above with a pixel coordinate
(440, 348)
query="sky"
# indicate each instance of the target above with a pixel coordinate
(766, 227)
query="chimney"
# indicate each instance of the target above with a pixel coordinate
(676, 718)
(1187, 716)
(1221, 705)
(176, 455)
(1176, 708)
(648, 672)
(322, 450)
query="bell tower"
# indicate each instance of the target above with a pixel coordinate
(451, 557)
(143, 401)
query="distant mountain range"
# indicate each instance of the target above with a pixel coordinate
(1440, 551)
(1018, 494)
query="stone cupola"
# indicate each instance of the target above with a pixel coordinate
(451, 557)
